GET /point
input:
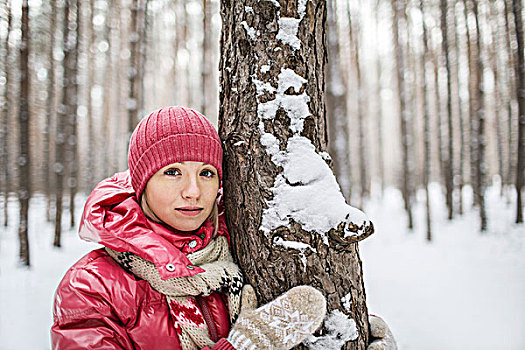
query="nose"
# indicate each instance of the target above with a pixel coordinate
(191, 188)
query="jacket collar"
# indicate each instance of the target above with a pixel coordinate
(113, 217)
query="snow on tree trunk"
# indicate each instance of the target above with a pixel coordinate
(289, 222)
(24, 161)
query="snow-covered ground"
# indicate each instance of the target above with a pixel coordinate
(465, 290)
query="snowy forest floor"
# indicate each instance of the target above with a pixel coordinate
(464, 290)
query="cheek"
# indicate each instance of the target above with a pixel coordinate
(211, 195)
(158, 197)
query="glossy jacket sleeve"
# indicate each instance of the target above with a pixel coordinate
(83, 317)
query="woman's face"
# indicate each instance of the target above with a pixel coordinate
(182, 194)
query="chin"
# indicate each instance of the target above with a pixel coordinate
(187, 227)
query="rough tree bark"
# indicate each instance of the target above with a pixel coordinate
(272, 123)
(24, 160)
(520, 84)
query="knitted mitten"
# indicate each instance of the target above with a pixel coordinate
(379, 330)
(280, 324)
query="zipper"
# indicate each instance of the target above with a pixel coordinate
(212, 330)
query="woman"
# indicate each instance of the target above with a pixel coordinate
(165, 278)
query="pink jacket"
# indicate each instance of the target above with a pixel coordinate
(99, 305)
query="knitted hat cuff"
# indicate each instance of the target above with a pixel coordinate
(172, 149)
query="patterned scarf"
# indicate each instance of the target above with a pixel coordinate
(221, 274)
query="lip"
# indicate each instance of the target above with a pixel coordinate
(189, 211)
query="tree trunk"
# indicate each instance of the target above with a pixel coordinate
(272, 123)
(143, 54)
(72, 148)
(498, 99)
(510, 38)
(462, 148)
(449, 154)
(107, 85)
(353, 28)
(24, 160)
(473, 98)
(134, 41)
(50, 108)
(520, 84)
(64, 110)
(336, 109)
(379, 114)
(206, 68)
(479, 122)
(92, 149)
(399, 23)
(426, 122)
(4, 128)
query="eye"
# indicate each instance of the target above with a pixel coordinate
(207, 173)
(172, 172)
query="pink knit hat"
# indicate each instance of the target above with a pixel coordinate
(171, 135)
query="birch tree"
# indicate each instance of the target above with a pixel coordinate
(288, 220)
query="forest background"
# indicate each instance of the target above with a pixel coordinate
(417, 92)
(451, 69)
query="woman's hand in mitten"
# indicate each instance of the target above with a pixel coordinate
(381, 335)
(280, 324)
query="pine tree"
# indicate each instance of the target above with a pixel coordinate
(272, 120)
